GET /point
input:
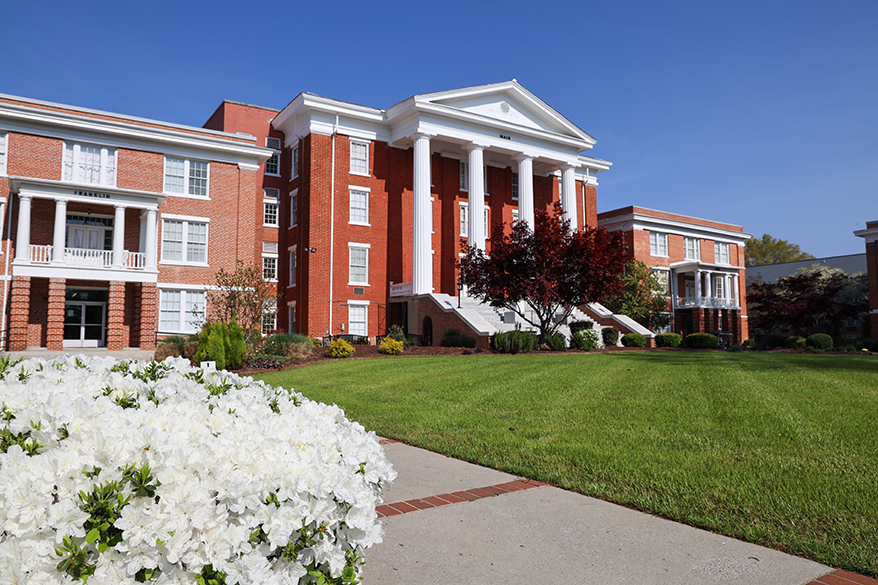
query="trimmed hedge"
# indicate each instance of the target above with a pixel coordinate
(819, 341)
(610, 335)
(775, 340)
(339, 348)
(585, 339)
(513, 342)
(390, 346)
(668, 340)
(557, 342)
(791, 341)
(701, 341)
(633, 340)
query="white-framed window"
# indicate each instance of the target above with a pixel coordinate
(272, 165)
(514, 216)
(359, 206)
(269, 261)
(294, 163)
(719, 287)
(89, 163)
(358, 264)
(662, 277)
(181, 311)
(291, 316)
(4, 149)
(269, 214)
(184, 240)
(721, 252)
(464, 176)
(464, 220)
(693, 248)
(514, 186)
(294, 261)
(294, 208)
(487, 220)
(269, 317)
(271, 193)
(186, 177)
(358, 318)
(359, 158)
(658, 244)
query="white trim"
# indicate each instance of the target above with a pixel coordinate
(294, 196)
(366, 144)
(265, 203)
(362, 190)
(352, 245)
(182, 318)
(4, 153)
(187, 177)
(185, 250)
(182, 217)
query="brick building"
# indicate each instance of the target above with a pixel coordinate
(870, 234)
(113, 226)
(702, 261)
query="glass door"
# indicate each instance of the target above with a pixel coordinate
(84, 324)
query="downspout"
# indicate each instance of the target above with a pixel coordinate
(332, 222)
(6, 272)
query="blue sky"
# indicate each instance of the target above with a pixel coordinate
(763, 114)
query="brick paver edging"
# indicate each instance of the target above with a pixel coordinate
(842, 577)
(469, 495)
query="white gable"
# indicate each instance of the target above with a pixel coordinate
(501, 107)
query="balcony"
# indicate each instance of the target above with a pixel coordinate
(86, 258)
(706, 303)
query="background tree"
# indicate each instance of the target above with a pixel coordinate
(768, 250)
(541, 275)
(244, 294)
(813, 300)
(643, 296)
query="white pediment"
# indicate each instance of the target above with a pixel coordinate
(507, 102)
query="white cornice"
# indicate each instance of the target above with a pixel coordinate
(49, 189)
(870, 234)
(637, 221)
(169, 139)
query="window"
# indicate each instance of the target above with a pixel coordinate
(3, 150)
(658, 244)
(271, 193)
(359, 209)
(88, 163)
(514, 215)
(269, 321)
(357, 319)
(181, 311)
(269, 216)
(359, 158)
(294, 164)
(515, 186)
(291, 317)
(720, 287)
(721, 253)
(186, 177)
(464, 220)
(293, 263)
(662, 277)
(487, 225)
(464, 176)
(269, 261)
(294, 209)
(272, 165)
(358, 264)
(693, 248)
(184, 240)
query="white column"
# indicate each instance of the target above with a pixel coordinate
(151, 233)
(22, 241)
(735, 301)
(707, 290)
(58, 239)
(525, 188)
(698, 281)
(476, 196)
(119, 237)
(672, 282)
(568, 190)
(422, 258)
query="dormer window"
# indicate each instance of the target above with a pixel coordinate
(89, 163)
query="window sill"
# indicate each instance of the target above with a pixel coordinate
(273, 225)
(359, 174)
(359, 284)
(180, 263)
(272, 174)
(359, 223)
(185, 196)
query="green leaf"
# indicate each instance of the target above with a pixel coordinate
(102, 547)
(92, 535)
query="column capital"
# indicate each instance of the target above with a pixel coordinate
(569, 165)
(523, 156)
(120, 205)
(426, 135)
(27, 197)
(471, 146)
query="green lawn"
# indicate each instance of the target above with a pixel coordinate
(777, 449)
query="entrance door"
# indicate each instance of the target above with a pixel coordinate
(84, 324)
(86, 245)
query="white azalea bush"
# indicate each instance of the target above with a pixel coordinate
(159, 472)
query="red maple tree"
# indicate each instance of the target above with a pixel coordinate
(542, 274)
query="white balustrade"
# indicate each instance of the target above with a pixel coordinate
(88, 257)
(92, 258)
(135, 260)
(40, 254)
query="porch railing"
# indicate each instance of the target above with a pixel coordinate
(86, 257)
(706, 303)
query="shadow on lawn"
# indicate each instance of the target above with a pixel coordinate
(759, 361)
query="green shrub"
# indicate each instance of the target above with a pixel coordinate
(701, 341)
(316, 342)
(212, 342)
(866, 344)
(791, 341)
(580, 326)
(820, 341)
(633, 340)
(736, 348)
(396, 333)
(165, 349)
(801, 343)
(390, 346)
(749, 344)
(190, 349)
(176, 341)
(668, 340)
(452, 341)
(516, 341)
(456, 338)
(610, 335)
(288, 344)
(775, 340)
(339, 348)
(237, 352)
(557, 342)
(586, 339)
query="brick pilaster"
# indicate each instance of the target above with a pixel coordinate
(148, 315)
(116, 316)
(55, 317)
(19, 312)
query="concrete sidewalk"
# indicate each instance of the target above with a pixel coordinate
(513, 533)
